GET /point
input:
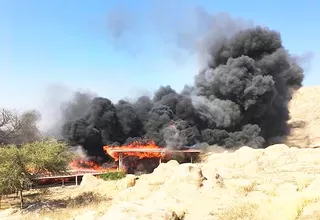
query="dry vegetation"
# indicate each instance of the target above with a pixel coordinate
(279, 182)
(62, 202)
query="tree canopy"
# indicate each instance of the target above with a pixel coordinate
(20, 166)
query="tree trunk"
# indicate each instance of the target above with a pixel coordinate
(21, 199)
(0, 201)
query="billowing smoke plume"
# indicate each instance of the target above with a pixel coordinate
(240, 98)
(65, 105)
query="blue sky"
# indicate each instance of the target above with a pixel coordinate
(47, 43)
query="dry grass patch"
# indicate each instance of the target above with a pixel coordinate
(304, 203)
(68, 213)
(73, 206)
(303, 183)
(12, 200)
(4, 205)
(83, 199)
(246, 187)
(289, 206)
(245, 211)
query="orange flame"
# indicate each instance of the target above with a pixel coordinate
(87, 165)
(134, 148)
(80, 165)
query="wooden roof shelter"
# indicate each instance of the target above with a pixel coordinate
(153, 150)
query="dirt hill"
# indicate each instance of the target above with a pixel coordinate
(305, 118)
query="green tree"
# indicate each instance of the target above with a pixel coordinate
(20, 166)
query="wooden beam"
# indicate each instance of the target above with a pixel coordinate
(157, 150)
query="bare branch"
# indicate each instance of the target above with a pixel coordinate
(5, 117)
(18, 128)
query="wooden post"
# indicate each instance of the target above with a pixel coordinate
(76, 180)
(120, 161)
(21, 199)
(62, 182)
(191, 158)
(162, 155)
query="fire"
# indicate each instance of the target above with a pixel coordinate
(87, 165)
(137, 149)
(84, 164)
(76, 166)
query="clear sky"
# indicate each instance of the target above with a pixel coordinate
(47, 43)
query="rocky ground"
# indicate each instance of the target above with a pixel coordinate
(280, 182)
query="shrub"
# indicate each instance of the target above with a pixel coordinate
(112, 175)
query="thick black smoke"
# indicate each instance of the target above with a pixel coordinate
(240, 98)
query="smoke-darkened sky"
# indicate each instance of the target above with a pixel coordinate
(124, 50)
(239, 98)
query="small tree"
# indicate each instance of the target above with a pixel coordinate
(19, 166)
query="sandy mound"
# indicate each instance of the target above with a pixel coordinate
(275, 183)
(305, 118)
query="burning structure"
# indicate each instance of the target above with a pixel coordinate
(135, 158)
(144, 157)
(240, 98)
